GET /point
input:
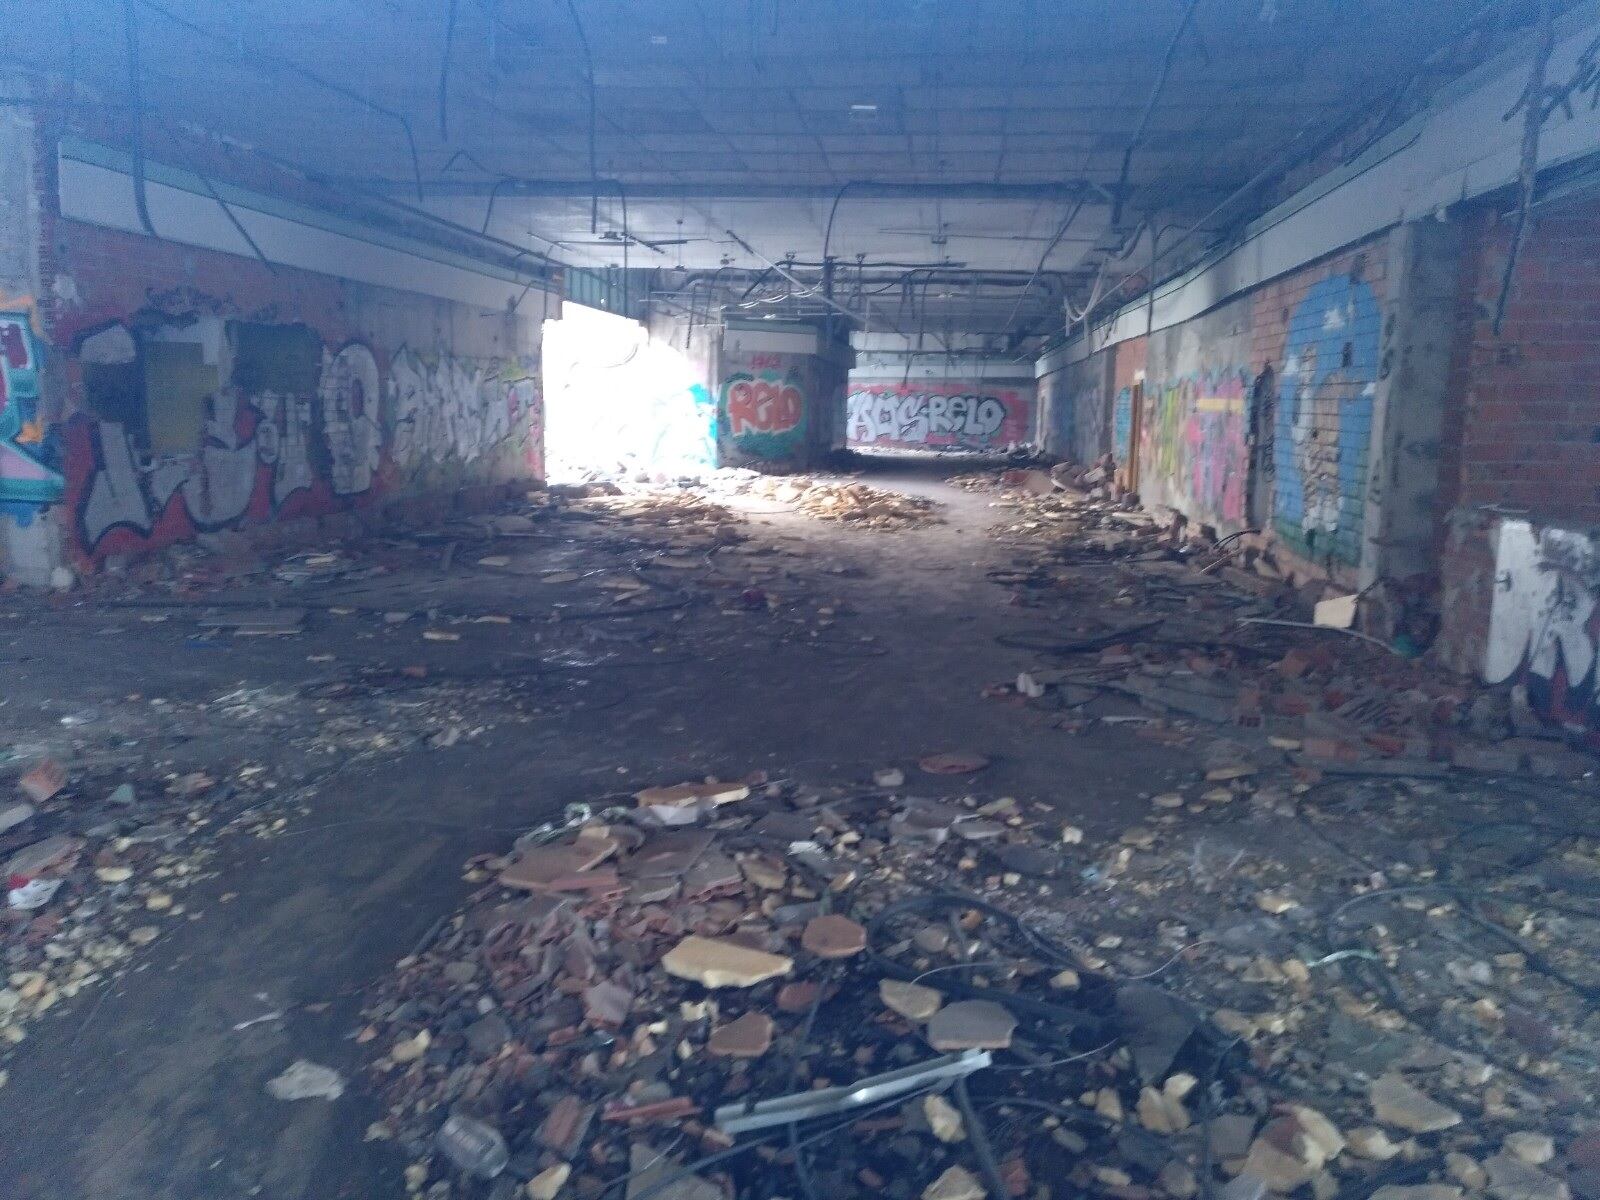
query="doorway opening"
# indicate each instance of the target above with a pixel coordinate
(620, 404)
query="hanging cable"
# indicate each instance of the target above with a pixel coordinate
(1537, 105)
(444, 71)
(261, 62)
(1120, 193)
(594, 118)
(130, 28)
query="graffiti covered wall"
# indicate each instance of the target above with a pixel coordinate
(204, 393)
(354, 436)
(1191, 445)
(1327, 381)
(940, 414)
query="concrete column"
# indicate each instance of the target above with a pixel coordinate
(780, 395)
(30, 548)
(1401, 532)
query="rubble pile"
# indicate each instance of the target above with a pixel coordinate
(775, 990)
(632, 988)
(1123, 606)
(93, 874)
(844, 500)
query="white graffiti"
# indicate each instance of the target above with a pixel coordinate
(215, 483)
(878, 415)
(348, 390)
(448, 408)
(1544, 605)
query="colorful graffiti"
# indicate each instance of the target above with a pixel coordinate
(1324, 420)
(279, 456)
(1122, 424)
(937, 416)
(28, 478)
(765, 412)
(1544, 623)
(1192, 444)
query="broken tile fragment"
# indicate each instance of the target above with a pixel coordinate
(542, 868)
(798, 997)
(833, 935)
(1395, 1102)
(749, 1036)
(952, 763)
(565, 1126)
(690, 795)
(43, 781)
(911, 1000)
(971, 1025)
(718, 963)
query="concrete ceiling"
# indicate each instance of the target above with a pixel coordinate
(709, 134)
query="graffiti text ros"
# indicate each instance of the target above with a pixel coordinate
(901, 415)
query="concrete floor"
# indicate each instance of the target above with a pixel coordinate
(148, 1088)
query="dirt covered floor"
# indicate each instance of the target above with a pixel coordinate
(536, 854)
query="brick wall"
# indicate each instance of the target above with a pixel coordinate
(1530, 414)
(1521, 564)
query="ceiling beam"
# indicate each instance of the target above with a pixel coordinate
(1069, 190)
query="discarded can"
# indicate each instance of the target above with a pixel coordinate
(474, 1147)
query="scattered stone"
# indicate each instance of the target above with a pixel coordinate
(1178, 1180)
(1370, 1142)
(412, 1048)
(971, 1025)
(547, 1184)
(911, 1000)
(1512, 1179)
(957, 1183)
(944, 1119)
(1395, 1102)
(719, 963)
(1466, 1171)
(889, 777)
(1275, 903)
(1418, 1191)
(1534, 1149)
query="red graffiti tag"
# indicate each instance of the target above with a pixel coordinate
(762, 406)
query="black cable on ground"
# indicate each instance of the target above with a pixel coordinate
(979, 1137)
(1050, 645)
(1052, 1017)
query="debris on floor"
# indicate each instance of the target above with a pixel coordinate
(770, 1003)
